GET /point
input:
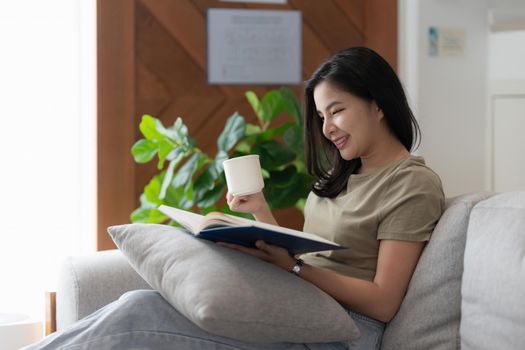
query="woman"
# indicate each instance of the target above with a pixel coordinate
(370, 194)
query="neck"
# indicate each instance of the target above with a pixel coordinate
(383, 153)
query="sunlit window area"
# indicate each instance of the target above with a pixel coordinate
(47, 113)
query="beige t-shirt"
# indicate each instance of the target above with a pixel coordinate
(402, 201)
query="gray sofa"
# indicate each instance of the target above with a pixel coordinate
(468, 290)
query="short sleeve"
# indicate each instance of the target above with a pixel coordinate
(412, 205)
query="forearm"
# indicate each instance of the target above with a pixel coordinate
(362, 296)
(265, 215)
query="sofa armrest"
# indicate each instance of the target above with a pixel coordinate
(87, 283)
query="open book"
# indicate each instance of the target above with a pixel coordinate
(220, 227)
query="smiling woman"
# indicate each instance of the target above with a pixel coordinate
(47, 88)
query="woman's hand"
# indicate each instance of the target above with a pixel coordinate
(254, 204)
(267, 252)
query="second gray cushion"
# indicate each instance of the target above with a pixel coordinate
(430, 313)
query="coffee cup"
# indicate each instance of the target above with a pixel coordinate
(243, 175)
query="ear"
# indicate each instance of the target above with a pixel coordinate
(378, 111)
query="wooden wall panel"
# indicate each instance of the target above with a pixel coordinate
(152, 60)
(116, 121)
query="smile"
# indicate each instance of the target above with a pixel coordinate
(340, 142)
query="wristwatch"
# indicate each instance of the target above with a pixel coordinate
(297, 267)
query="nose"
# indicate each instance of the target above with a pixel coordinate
(328, 127)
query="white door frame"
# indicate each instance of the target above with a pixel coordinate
(497, 89)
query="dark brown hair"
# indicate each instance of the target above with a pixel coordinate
(365, 74)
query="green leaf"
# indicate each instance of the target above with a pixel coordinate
(179, 132)
(293, 138)
(140, 215)
(152, 190)
(185, 203)
(144, 150)
(186, 171)
(255, 103)
(272, 105)
(148, 216)
(232, 133)
(165, 148)
(151, 128)
(167, 179)
(174, 196)
(207, 210)
(144, 203)
(292, 106)
(279, 197)
(301, 204)
(206, 181)
(219, 159)
(176, 154)
(252, 129)
(271, 133)
(284, 178)
(188, 191)
(243, 147)
(273, 154)
(211, 197)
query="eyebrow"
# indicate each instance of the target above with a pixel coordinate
(329, 106)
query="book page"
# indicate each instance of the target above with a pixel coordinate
(243, 221)
(291, 232)
(189, 220)
(196, 222)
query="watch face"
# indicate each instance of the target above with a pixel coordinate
(296, 269)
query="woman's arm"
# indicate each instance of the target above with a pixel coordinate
(254, 204)
(379, 299)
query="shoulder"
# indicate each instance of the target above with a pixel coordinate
(412, 203)
(413, 175)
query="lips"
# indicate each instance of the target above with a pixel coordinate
(340, 142)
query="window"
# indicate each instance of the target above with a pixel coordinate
(48, 143)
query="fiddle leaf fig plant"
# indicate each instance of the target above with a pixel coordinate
(189, 178)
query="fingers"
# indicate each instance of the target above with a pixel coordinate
(270, 249)
(235, 202)
(254, 252)
(229, 197)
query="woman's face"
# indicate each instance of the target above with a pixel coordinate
(350, 122)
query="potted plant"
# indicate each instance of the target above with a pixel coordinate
(189, 178)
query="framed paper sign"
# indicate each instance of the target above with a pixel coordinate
(254, 46)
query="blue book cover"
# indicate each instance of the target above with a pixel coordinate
(220, 227)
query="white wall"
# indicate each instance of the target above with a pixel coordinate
(451, 92)
(506, 59)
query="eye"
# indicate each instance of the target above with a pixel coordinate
(337, 111)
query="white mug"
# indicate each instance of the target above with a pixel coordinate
(243, 175)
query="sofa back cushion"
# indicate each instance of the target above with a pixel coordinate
(430, 313)
(493, 290)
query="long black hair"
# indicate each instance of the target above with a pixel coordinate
(365, 74)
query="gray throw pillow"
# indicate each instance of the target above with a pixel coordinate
(231, 294)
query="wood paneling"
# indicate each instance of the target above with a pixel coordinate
(116, 119)
(50, 313)
(381, 28)
(152, 60)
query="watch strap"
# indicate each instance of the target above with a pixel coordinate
(297, 267)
